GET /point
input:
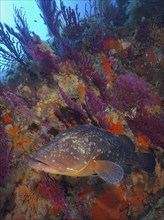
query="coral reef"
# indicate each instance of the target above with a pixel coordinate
(4, 155)
(103, 69)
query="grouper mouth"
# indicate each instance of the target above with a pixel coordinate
(37, 164)
(45, 165)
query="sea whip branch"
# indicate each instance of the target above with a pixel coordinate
(51, 16)
(11, 50)
(24, 35)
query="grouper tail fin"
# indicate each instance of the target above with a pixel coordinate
(146, 162)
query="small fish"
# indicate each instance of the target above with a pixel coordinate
(85, 150)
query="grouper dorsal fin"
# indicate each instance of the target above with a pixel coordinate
(127, 142)
(108, 171)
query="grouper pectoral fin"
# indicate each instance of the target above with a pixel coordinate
(108, 171)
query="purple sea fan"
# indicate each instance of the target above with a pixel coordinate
(150, 125)
(129, 92)
(56, 193)
(73, 105)
(97, 108)
(17, 101)
(100, 81)
(22, 105)
(24, 35)
(4, 156)
(11, 51)
(46, 61)
(84, 65)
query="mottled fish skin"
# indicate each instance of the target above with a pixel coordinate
(73, 148)
(84, 150)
